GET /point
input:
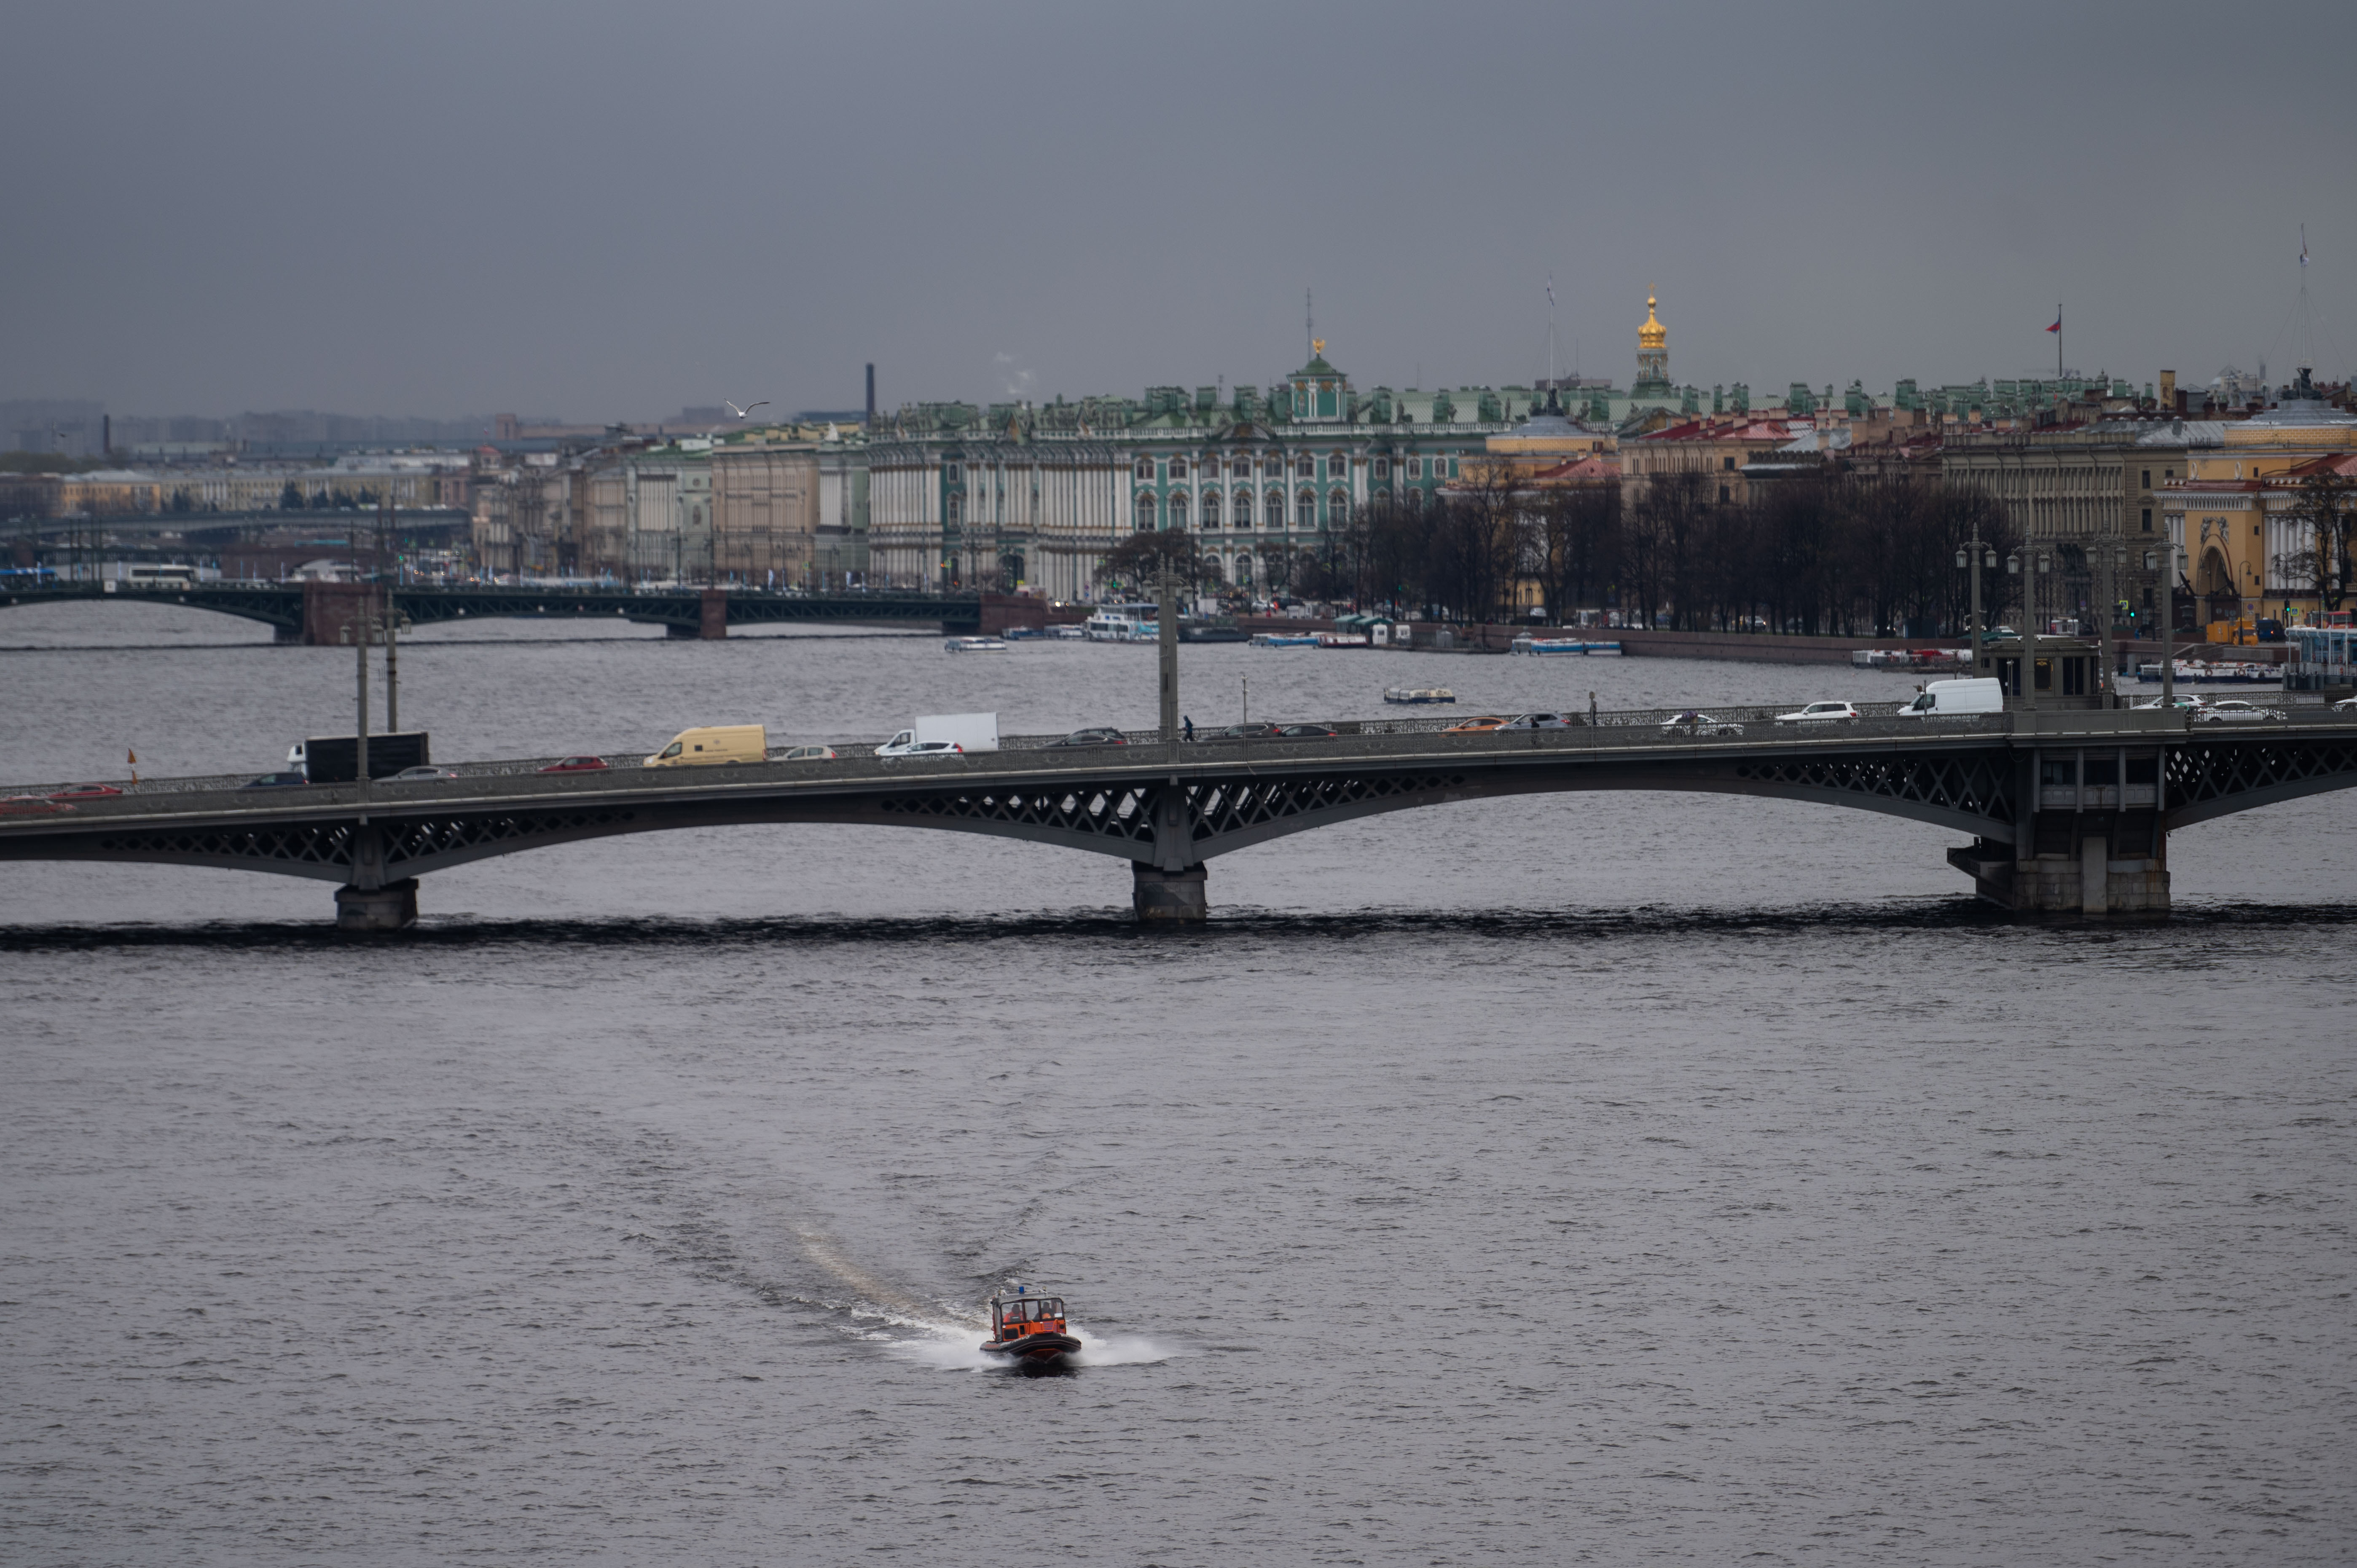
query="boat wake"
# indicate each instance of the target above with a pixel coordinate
(947, 1350)
(941, 1337)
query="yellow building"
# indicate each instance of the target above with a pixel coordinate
(107, 492)
(2233, 520)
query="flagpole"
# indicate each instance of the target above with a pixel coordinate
(2057, 348)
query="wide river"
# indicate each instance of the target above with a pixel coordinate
(1608, 1178)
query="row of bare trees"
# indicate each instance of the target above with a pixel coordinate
(1824, 551)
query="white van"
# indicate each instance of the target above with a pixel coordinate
(936, 734)
(1946, 699)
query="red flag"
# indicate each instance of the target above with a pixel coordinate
(2058, 323)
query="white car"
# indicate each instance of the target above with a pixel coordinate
(921, 748)
(411, 775)
(2345, 706)
(1693, 723)
(1819, 713)
(2185, 702)
(2234, 711)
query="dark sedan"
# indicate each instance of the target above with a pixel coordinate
(1245, 731)
(1096, 735)
(276, 781)
(1306, 732)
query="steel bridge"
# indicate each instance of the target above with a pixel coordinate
(2067, 812)
(315, 612)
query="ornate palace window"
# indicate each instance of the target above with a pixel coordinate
(1145, 511)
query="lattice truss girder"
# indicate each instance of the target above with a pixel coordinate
(1123, 814)
(420, 843)
(1972, 783)
(409, 846)
(2204, 772)
(306, 848)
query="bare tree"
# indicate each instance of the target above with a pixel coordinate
(1138, 562)
(1575, 545)
(2324, 562)
(1474, 542)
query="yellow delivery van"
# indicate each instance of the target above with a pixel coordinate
(716, 744)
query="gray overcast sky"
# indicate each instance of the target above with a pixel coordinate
(607, 211)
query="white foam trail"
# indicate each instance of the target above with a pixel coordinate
(1122, 1350)
(948, 1350)
(949, 1338)
(879, 1297)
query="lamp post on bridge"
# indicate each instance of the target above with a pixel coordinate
(359, 631)
(1974, 555)
(2114, 556)
(2026, 633)
(2174, 556)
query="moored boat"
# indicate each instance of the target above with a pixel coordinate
(975, 645)
(1030, 1330)
(1419, 694)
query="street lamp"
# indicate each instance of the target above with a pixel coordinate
(2026, 672)
(1975, 550)
(2175, 558)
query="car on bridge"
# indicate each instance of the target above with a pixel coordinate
(1305, 732)
(2185, 702)
(1820, 713)
(1543, 721)
(276, 781)
(1096, 735)
(83, 792)
(922, 749)
(421, 773)
(1482, 725)
(1245, 731)
(803, 754)
(577, 765)
(2234, 711)
(1694, 722)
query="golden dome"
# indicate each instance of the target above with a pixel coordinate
(1652, 335)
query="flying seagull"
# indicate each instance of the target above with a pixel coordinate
(748, 408)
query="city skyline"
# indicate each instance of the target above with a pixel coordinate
(441, 213)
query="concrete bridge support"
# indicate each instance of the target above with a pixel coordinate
(712, 618)
(392, 907)
(2090, 875)
(329, 608)
(1169, 897)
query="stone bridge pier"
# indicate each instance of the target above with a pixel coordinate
(2090, 836)
(329, 608)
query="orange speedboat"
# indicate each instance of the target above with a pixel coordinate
(1030, 1330)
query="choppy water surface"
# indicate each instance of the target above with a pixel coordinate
(1604, 1179)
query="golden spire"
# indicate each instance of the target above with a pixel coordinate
(1652, 335)
(1317, 347)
